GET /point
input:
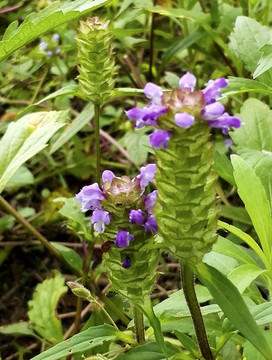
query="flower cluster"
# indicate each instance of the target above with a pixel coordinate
(182, 108)
(51, 47)
(121, 204)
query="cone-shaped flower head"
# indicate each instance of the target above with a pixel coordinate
(122, 213)
(185, 207)
(96, 63)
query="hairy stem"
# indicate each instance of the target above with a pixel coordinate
(97, 140)
(151, 46)
(138, 325)
(187, 278)
(5, 205)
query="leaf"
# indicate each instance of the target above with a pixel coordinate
(265, 62)
(243, 276)
(246, 238)
(231, 302)
(241, 85)
(188, 343)
(223, 167)
(150, 351)
(42, 308)
(252, 193)
(83, 341)
(70, 89)
(256, 130)
(223, 263)
(22, 176)
(227, 247)
(235, 213)
(70, 256)
(262, 313)
(21, 328)
(24, 139)
(138, 146)
(37, 24)
(76, 125)
(246, 40)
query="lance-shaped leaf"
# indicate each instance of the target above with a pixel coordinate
(25, 138)
(37, 24)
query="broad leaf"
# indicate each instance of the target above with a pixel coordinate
(70, 256)
(241, 85)
(36, 24)
(252, 192)
(138, 146)
(243, 275)
(83, 341)
(43, 306)
(21, 328)
(231, 302)
(150, 351)
(223, 167)
(25, 138)
(235, 213)
(265, 62)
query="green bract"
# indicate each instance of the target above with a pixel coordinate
(186, 210)
(95, 56)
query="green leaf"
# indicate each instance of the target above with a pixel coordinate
(256, 130)
(83, 341)
(22, 176)
(24, 139)
(188, 343)
(223, 167)
(262, 313)
(76, 125)
(70, 256)
(65, 91)
(37, 24)
(21, 328)
(150, 351)
(43, 306)
(265, 62)
(253, 195)
(235, 213)
(241, 85)
(138, 146)
(227, 247)
(246, 238)
(243, 276)
(231, 302)
(246, 40)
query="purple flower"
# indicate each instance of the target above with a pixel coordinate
(184, 120)
(136, 216)
(90, 197)
(187, 81)
(100, 218)
(228, 143)
(43, 45)
(56, 37)
(212, 111)
(150, 201)
(147, 175)
(151, 225)
(49, 53)
(160, 138)
(126, 263)
(224, 122)
(146, 116)
(107, 175)
(57, 51)
(153, 92)
(213, 88)
(122, 238)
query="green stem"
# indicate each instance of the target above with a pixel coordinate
(97, 140)
(138, 325)
(5, 205)
(187, 277)
(86, 268)
(151, 44)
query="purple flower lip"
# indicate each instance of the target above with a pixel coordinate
(212, 111)
(100, 218)
(213, 88)
(123, 238)
(147, 175)
(160, 138)
(90, 197)
(224, 122)
(147, 115)
(136, 216)
(150, 201)
(187, 81)
(184, 120)
(108, 175)
(151, 225)
(154, 92)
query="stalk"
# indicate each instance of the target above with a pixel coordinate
(97, 140)
(187, 279)
(138, 324)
